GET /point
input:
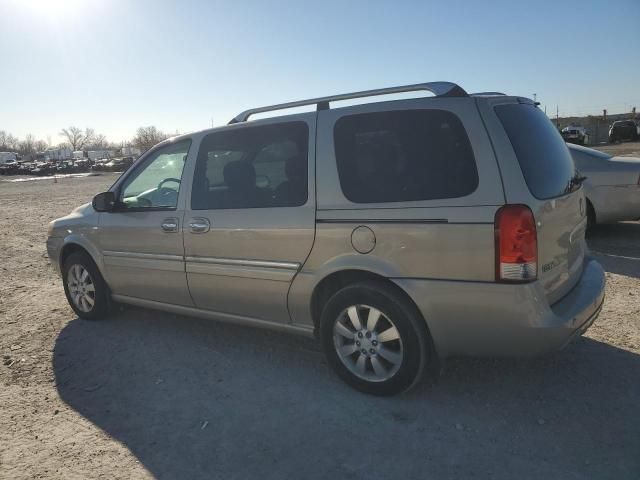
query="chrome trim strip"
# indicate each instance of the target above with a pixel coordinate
(143, 256)
(240, 271)
(305, 330)
(383, 220)
(133, 264)
(245, 263)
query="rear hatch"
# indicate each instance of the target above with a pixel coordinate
(559, 205)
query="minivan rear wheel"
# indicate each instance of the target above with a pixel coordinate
(374, 338)
(86, 290)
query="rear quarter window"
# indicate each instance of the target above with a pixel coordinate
(400, 156)
(543, 156)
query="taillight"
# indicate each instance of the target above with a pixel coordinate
(516, 244)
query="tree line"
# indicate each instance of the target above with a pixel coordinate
(77, 138)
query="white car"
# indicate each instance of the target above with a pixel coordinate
(612, 186)
(575, 134)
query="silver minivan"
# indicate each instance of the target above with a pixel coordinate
(397, 232)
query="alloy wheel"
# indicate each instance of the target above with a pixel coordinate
(368, 343)
(81, 288)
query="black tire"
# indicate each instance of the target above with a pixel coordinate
(416, 343)
(101, 306)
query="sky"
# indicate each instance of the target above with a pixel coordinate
(116, 65)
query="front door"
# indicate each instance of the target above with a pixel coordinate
(141, 240)
(250, 224)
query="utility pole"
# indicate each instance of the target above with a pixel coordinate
(535, 97)
(557, 117)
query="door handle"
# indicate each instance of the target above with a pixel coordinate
(169, 225)
(199, 225)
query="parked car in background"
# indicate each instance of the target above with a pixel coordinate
(117, 165)
(25, 167)
(8, 157)
(43, 168)
(99, 165)
(83, 165)
(612, 185)
(575, 134)
(398, 232)
(66, 166)
(623, 130)
(9, 167)
(128, 161)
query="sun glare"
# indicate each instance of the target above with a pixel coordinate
(53, 9)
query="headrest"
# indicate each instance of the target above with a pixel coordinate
(295, 167)
(239, 174)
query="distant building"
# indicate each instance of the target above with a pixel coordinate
(98, 154)
(130, 151)
(57, 154)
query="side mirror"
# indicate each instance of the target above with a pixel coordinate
(104, 202)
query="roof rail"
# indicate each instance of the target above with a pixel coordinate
(439, 89)
(488, 94)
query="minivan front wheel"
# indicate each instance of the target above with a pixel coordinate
(374, 338)
(84, 287)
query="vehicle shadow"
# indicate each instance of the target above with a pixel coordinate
(617, 247)
(194, 399)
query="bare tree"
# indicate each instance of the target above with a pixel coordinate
(28, 145)
(147, 137)
(77, 138)
(98, 142)
(8, 141)
(40, 146)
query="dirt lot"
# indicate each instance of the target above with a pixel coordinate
(147, 394)
(623, 149)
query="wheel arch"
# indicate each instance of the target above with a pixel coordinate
(335, 281)
(591, 211)
(79, 244)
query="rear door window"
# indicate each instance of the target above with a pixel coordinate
(544, 158)
(408, 155)
(252, 167)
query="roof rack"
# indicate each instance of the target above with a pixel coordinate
(488, 94)
(439, 89)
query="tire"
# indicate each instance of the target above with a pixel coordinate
(81, 262)
(411, 351)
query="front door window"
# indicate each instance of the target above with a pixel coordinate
(156, 183)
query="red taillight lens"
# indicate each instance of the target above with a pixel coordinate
(516, 244)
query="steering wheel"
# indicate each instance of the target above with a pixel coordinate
(165, 196)
(177, 180)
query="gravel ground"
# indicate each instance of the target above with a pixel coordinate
(624, 149)
(147, 394)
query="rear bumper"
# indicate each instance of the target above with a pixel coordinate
(472, 318)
